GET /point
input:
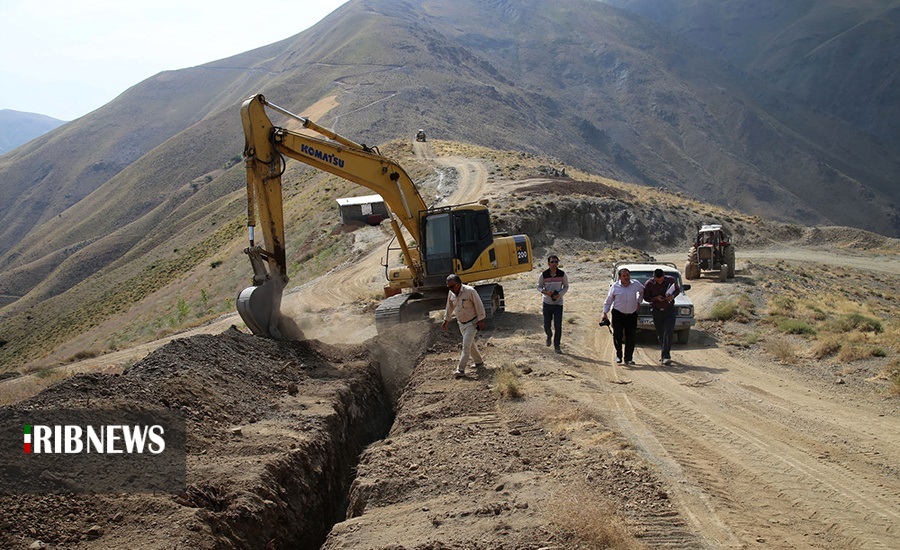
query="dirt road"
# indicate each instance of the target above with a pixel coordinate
(751, 453)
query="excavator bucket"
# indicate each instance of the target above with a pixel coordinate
(260, 308)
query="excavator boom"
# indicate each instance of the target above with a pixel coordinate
(454, 239)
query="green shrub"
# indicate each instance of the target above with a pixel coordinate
(857, 322)
(795, 326)
(44, 372)
(724, 310)
(737, 310)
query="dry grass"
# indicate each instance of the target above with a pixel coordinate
(782, 306)
(21, 388)
(844, 323)
(585, 519)
(892, 374)
(782, 349)
(826, 347)
(507, 384)
(565, 417)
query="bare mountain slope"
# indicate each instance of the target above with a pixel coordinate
(145, 192)
(839, 56)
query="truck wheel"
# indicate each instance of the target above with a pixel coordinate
(682, 336)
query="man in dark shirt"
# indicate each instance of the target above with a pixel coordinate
(660, 293)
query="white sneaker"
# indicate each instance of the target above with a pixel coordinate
(459, 374)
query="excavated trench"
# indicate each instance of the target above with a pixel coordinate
(301, 494)
(274, 433)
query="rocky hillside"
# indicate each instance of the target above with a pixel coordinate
(135, 212)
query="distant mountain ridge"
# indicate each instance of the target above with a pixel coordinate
(17, 127)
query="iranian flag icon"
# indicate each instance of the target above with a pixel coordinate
(27, 438)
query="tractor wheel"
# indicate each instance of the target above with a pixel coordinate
(692, 268)
(691, 271)
(729, 259)
(723, 273)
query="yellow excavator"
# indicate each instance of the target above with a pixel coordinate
(448, 239)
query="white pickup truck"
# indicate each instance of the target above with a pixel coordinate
(684, 307)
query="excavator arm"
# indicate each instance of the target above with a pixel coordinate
(265, 146)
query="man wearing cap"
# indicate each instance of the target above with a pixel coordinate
(465, 303)
(660, 293)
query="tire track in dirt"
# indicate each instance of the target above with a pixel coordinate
(624, 414)
(583, 378)
(752, 454)
(742, 457)
(748, 453)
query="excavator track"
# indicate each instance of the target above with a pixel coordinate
(493, 300)
(404, 308)
(388, 313)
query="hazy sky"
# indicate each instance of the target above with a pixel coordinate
(65, 58)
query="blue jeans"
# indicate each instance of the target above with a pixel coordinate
(664, 322)
(553, 313)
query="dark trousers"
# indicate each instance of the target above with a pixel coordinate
(553, 313)
(664, 322)
(624, 331)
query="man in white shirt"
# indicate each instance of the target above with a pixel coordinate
(624, 299)
(465, 303)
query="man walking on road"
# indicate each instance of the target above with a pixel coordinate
(465, 303)
(660, 292)
(625, 299)
(553, 284)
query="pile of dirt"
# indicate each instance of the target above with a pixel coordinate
(274, 431)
